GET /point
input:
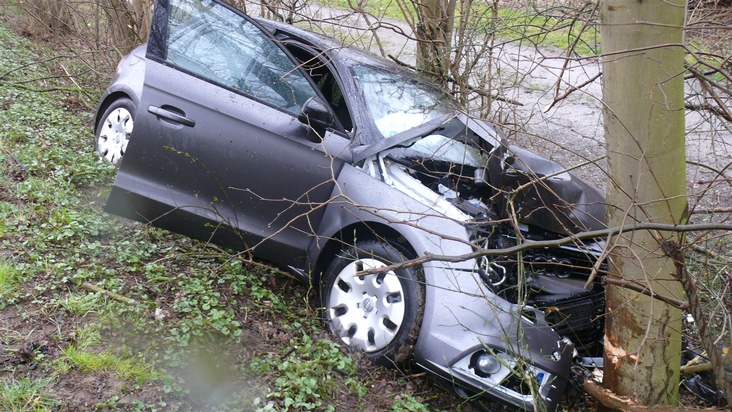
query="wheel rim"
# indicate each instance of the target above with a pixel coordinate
(115, 135)
(366, 311)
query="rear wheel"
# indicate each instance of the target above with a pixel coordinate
(114, 130)
(379, 313)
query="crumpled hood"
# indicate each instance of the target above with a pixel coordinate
(454, 124)
(484, 170)
(549, 197)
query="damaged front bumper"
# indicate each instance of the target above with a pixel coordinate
(481, 345)
(509, 378)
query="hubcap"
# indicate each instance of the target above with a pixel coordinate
(114, 135)
(368, 305)
(366, 311)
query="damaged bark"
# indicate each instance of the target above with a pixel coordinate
(621, 403)
(644, 124)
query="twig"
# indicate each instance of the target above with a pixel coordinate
(22, 66)
(710, 253)
(539, 244)
(557, 98)
(711, 211)
(48, 89)
(24, 170)
(569, 91)
(721, 110)
(453, 80)
(721, 361)
(708, 107)
(694, 369)
(113, 295)
(645, 290)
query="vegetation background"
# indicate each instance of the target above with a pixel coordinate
(98, 313)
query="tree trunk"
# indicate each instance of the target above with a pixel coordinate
(49, 16)
(128, 22)
(143, 15)
(434, 35)
(643, 92)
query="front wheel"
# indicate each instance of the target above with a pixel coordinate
(114, 130)
(379, 313)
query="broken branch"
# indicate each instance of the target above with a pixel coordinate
(113, 295)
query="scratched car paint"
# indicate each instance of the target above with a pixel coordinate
(332, 163)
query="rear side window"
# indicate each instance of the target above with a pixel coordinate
(215, 43)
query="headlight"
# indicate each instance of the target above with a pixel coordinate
(484, 364)
(499, 373)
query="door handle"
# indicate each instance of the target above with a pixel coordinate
(167, 112)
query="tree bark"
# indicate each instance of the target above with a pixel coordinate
(434, 35)
(127, 21)
(51, 16)
(643, 92)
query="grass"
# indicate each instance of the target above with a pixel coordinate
(10, 280)
(80, 304)
(25, 395)
(125, 367)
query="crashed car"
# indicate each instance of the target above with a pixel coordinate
(339, 166)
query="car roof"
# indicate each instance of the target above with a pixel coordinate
(347, 52)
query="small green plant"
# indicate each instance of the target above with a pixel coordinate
(408, 403)
(305, 374)
(9, 215)
(23, 395)
(10, 280)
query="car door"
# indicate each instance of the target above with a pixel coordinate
(217, 144)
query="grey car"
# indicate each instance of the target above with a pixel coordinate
(338, 166)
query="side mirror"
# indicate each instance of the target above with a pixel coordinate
(315, 113)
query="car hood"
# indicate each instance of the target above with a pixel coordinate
(546, 195)
(470, 162)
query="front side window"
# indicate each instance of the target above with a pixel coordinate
(397, 101)
(214, 42)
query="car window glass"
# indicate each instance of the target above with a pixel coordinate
(215, 43)
(444, 149)
(398, 101)
(325, 80)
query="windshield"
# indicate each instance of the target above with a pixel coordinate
(398, 102)
(441, 148)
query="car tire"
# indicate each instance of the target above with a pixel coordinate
(114, 130)
(380, 313)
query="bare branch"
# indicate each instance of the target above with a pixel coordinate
(541, 244)
(645, 290)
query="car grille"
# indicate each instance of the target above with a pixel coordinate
(579, 318)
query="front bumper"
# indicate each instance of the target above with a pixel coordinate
(463, 320)
(515, 382)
